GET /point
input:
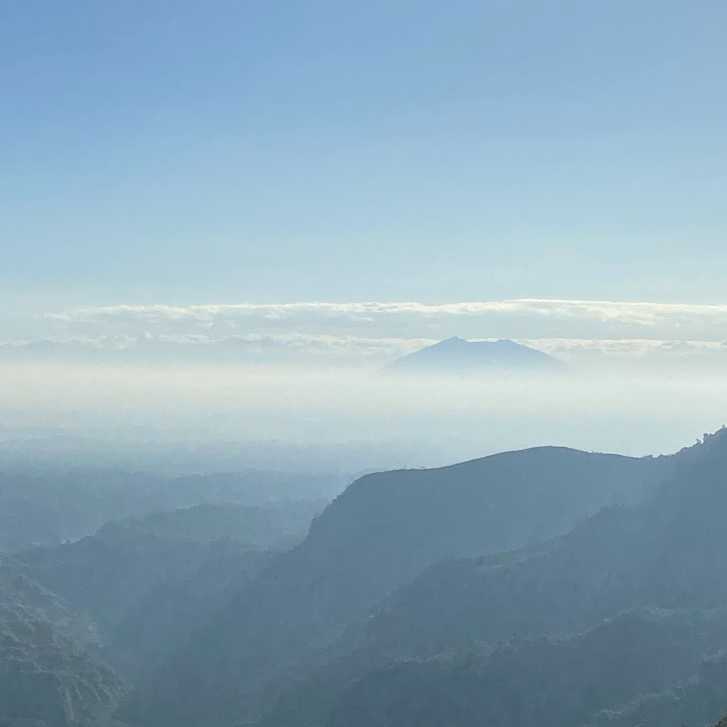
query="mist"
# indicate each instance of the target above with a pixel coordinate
(400, 421)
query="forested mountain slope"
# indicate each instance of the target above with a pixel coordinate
(381, 533)
(666, 553)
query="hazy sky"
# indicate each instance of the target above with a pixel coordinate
(222, 152)
(344, 182)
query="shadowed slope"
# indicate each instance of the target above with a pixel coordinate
(374, 538)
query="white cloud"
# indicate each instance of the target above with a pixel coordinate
(528, 318)
(643, 314)
(630, 350)
(375, 332)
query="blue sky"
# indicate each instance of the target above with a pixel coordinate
(207, 152)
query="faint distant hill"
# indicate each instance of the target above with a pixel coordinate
(55, 505)
(458, 356)
(273, 526)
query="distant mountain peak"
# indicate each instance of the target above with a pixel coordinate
(457, 355)
(451, 341)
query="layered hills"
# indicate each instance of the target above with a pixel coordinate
(554, 629)
(544, 586)
(54, 505)
(375, 538)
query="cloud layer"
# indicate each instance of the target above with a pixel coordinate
(527, 314)
(369, 333)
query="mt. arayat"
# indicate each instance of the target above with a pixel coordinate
(456, 356)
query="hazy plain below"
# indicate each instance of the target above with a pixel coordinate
(339, 418)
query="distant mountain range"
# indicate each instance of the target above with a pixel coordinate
(458, 356)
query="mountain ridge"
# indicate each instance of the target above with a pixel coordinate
(376, 536)
(456, 355)
(664, 553)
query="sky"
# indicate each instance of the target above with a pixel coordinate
(164, 155)
(342, 183)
